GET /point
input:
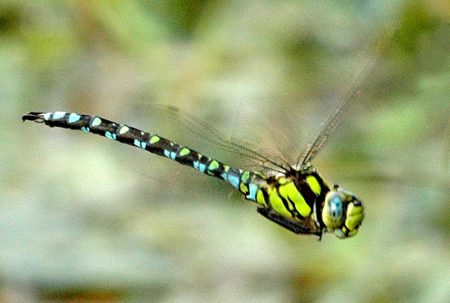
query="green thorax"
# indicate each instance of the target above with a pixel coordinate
(297, 195)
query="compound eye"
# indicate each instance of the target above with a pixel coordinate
(333, 210)
(336, 208)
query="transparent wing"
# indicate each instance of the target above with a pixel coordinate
(335, 119)
(251, 158)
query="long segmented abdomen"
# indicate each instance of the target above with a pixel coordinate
(247, 182)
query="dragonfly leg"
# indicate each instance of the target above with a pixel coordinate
(294, 226)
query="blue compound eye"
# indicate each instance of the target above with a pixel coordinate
(342, 213)
(333, 215)
(336, 208)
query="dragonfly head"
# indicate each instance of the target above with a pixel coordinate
(342, 212)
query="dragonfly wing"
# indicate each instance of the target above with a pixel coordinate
(335, 119)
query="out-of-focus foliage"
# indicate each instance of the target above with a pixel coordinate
(88, 220)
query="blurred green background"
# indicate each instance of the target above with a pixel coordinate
(83, 219)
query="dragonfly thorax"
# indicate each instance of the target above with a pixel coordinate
(342, 212)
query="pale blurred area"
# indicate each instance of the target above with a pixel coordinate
(83, 219)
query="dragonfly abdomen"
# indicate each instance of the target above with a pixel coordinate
(246, 182)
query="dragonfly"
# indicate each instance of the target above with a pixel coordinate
(294, 196)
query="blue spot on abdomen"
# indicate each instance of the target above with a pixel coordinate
(253, 190)
(74, 117)
(110, 135)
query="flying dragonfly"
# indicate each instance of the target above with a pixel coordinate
(294, 196)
